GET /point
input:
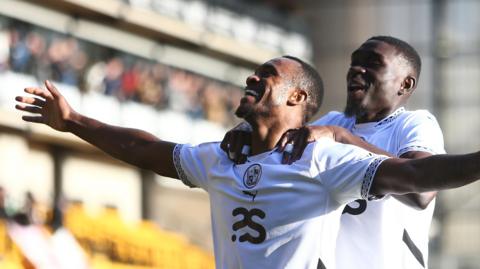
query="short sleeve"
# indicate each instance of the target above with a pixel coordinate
(349, 172)
(420, 132)
(193, 163)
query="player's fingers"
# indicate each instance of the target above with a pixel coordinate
(237, 145)
(287, 152)
(242, 157)
(38, 92)
(286, 138)
(36, 119)
(52, 89)
(30, 100)
(232, 145)
(244, 139)
(224, 145)
(282, 142)
(300, 143)
(31, 109)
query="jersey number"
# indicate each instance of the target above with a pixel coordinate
(362, 206)
(247, 221)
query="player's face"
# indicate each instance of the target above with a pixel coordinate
(374, 79)
(267, 87)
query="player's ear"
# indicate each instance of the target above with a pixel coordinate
(298, 96)
(408, 85)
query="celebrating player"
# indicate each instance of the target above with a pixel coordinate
(383, 74)
(265, 214)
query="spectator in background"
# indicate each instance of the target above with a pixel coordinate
(94, 76)
(75, 70)
(131, 81)
(4, 49)
(151, 90)
(184, 88)
(19, 53)
(38, 63)
(213, 99)
(67, 60)
(113, 76)
(47, 55)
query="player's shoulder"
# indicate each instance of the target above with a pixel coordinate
(331, 118)
(330, 154)
(418, 115)
(411, 118)
(205, 150)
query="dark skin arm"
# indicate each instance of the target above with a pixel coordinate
(434, 173)
(415, 200)
(302, 136)
(132, 146)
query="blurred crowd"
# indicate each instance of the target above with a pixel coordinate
(93, 68)
(29, 212)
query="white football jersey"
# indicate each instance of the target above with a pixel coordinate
(269, 215)
(386, 233)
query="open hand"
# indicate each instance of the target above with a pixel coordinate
(48, 106)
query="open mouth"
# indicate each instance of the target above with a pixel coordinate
(252, 93)
(356, 86)
(255, 93)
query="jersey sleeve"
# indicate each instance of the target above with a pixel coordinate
(193, 163)
(348, 172)
(421, 132)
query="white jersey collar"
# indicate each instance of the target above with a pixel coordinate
(385, 121)
(261, 156)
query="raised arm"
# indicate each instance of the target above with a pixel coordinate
(416, 200)
(434, 173)
(133, 146)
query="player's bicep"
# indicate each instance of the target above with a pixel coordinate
(394, 176)
(415, 155)
(158, 157)
(416, 200)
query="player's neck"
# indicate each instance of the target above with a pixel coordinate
(374, 116)
(266, 137)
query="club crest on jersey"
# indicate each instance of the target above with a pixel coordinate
(252, 175)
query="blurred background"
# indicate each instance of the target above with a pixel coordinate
(176, 68)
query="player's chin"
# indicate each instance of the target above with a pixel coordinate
(349, 110)
(353, 109)
(243, 111)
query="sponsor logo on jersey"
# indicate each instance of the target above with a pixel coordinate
(252, 175)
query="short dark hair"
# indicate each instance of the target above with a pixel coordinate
(310, 81)
(405, 49)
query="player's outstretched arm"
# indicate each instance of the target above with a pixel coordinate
(434, 173)
(133, 146)
(302, 136)
(416, 200)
